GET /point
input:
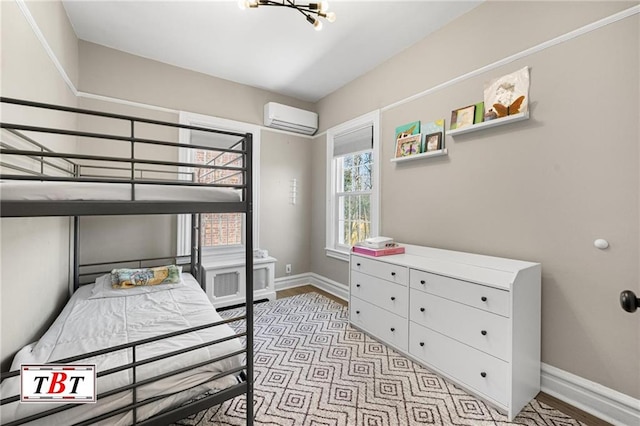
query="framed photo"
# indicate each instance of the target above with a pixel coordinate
(463, 117)
(408, 129)
(479, 117)
(507, 95)
(433, 127)
(408, 145)
(433, 142)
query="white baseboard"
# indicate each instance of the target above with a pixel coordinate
(292, 281)
(332, 287)
(605, 403)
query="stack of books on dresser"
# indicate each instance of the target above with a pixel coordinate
(378, 246)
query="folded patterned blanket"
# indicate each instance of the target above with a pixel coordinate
(125, 278)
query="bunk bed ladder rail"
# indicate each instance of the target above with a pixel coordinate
(134, 393)
(76, 253)
(196, 256)
(133, 163)
(248, 198)
(76, 241)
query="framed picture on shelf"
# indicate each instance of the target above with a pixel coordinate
(408, 129)
(507, 95)
(463, 117)
(408, 145)
(433, 142)
(479, 116)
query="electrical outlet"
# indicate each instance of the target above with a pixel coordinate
(287, 268)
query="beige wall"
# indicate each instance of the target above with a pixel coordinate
(105, 238)
(34, 259)
(285, 227)
(540, 190)
(53, 22)
(466, 44)
(334, 269)
(108, 72)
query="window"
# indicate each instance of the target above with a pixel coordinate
(221, 232)
(353, 197)
(352, 184)
(219, 229)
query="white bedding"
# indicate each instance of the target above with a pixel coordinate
(91, 324)
(36, 190)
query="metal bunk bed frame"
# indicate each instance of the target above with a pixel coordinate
(75, 209)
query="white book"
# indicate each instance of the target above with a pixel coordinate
(377, 242)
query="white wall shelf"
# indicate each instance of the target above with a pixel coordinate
(491, 123)
(424, 155)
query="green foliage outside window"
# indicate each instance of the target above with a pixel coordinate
(354, 198)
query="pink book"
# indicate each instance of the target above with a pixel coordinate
(378, 252)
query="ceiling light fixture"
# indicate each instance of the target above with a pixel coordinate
(312, 11)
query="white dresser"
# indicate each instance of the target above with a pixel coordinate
(471, 318)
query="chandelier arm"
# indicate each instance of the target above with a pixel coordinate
(302, 8)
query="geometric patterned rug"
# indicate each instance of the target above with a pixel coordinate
(312, 368)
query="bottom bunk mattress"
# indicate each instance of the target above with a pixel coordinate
(98, 317)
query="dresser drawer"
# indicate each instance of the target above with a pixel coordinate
(481, 372)
(388, 327)
(385, 294)
(377, 268)
(482, 330)
(476, 295)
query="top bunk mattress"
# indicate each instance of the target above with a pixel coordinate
(92, 191)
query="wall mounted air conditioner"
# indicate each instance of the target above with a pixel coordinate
(288, 118)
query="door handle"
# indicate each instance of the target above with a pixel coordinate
(629, 301)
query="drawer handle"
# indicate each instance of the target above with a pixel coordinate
(421, 343)
(357, 285)
(393, 329)
(423, 282)
(483, 374)
(483, 298)
(421, 309)
(393, 298)
(393, 274)
(357, 264)
(357, 312)
(484, 332)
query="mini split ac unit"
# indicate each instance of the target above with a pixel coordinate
(288, 118)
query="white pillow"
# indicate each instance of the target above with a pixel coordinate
(103, 288)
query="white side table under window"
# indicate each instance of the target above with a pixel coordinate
(225, 280)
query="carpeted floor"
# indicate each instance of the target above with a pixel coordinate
(313, 368)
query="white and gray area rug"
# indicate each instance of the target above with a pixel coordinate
(313, 369)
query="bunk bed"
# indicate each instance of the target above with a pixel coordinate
(157, 365)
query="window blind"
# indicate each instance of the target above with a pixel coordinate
(353, 141)
(214, 140)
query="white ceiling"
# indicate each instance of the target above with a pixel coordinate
(271, 48)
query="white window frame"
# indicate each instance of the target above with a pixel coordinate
(184, 221)
(332, 249)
